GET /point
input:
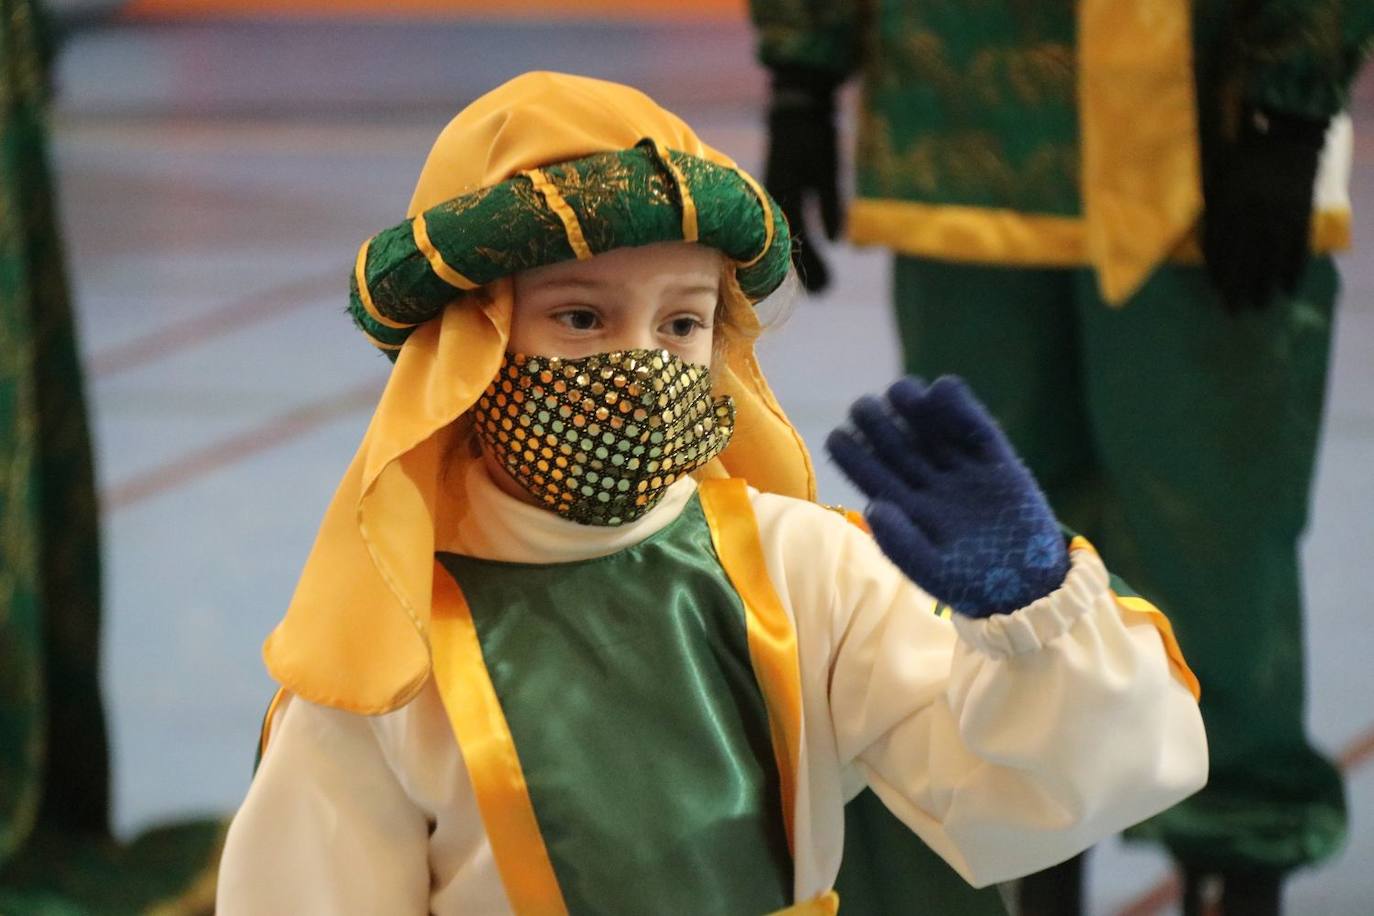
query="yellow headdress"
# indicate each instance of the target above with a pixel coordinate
(356, 634)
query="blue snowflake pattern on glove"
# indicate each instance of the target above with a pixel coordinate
(950, 502)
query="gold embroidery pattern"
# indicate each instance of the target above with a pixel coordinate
(408, 273)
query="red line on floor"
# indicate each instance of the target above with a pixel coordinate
(1355, 755)
(1358, 752)
(278, 431)
(224, 319)
(1153, 900)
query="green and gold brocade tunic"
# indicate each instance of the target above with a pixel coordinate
(987, 126)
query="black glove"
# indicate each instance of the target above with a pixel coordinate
(1257, 223)
(801, 160)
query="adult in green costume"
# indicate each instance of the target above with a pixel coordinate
(1103, 216)
(57, 855)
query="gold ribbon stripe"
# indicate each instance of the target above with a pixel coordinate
(772, 638)
(380, 344)
(1010, 237)
(690, 230)
(419, 230)
(554, 198)
(827, 904)
(768, 228)
(1161, 623)
(277, 699)
(365, 294)
(1141, 172)
(484, 737)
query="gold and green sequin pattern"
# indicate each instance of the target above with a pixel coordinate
(599, 439)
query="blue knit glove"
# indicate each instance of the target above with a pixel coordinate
(951, 504)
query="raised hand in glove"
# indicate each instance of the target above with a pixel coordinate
(1257, 220)
(801, 161)
(950, 503)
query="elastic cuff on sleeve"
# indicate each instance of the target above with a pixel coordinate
(1031, 627)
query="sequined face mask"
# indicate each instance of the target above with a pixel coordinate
(600, 439)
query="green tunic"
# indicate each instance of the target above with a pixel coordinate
(642, 732)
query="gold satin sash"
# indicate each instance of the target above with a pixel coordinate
(485, 741)
(1137, 605)
(1141, 171)
(265, 734)
(772, 638)
(825, 905)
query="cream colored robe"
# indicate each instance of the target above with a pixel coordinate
(1007, 744)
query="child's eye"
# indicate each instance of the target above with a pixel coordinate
(683, 326)
(578, 319)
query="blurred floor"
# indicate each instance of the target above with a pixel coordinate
(216, 180)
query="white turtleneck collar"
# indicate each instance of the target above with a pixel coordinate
(498, 526)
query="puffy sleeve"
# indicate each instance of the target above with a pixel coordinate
(326, 826)
(1008, 744)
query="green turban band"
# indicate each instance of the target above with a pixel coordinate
(407, 274)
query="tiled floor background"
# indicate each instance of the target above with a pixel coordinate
(216, 180)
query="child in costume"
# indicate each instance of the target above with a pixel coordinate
(574, 636)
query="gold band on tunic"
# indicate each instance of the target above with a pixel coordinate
(772, 637)
(484, 738)
(1137, 605)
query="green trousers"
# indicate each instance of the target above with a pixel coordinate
(1182, 441)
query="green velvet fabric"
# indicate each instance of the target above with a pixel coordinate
(621, 199)
(57, 857)
(963, 104)
(53, 758)
(1182, 442)
(975, 104)
(888, 870)
(627, 684)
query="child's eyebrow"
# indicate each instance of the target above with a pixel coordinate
(711, 288)
(573, 283)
